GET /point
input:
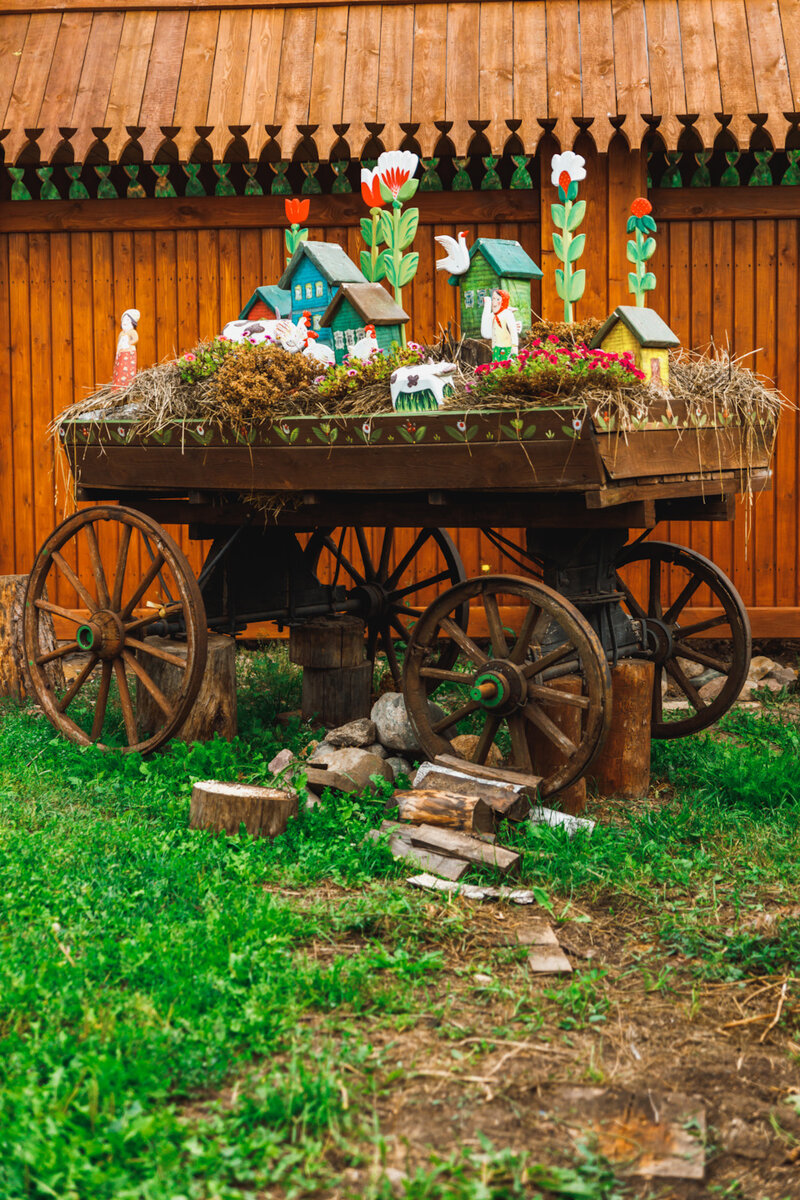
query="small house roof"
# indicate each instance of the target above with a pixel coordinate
(371, 301)
(646, 326)
(505, 256)
(276, 298)
(330, 260)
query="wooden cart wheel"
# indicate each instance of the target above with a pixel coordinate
(668, 626)
(144, 581)
(535, 636)
(394, 590)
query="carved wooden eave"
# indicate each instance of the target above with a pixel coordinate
(80, 72)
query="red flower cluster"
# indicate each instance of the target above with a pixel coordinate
(581, 359)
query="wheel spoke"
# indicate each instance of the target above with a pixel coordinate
(519, 743)
(97, 565)
(705, 660)
(386, 552)
(549, 728)
(682, 600)
(486, 739)
(69, 574)
(155, 652)
(657, 712)
(702, 626)
(343, 560)
(57, 611)
(525, 634)
(119, 572)
(686, 686)
(389, 651)
(372, 641)
(102, 701)
(442, 577)
(455, 717)
(634, 606)
(126, 702)
(140, 622)
(546, 695)
(473, 652)
(147, 579)
(548, 660)
(444, 676)
(398, 627)
(493, 620)
(410, 554)
(61, 652)
(152, 687)
(77, 684)
(654, 589)
(366, 557)
(164, 586)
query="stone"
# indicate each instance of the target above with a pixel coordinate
(690, 669)
(357, 765)
(377, 748)
(283, 759)
(393, 725)
(361, 733)
(709, 691)
(322, 752)
(400, 766)
(760, 666)
(785, 676)
(464, 746)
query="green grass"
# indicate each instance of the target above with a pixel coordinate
(168, 1025)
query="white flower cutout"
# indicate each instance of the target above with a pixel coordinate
(573, 164)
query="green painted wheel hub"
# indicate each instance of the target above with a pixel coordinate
(85, 637)
(481, 690)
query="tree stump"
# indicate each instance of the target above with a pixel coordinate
(546, 756)
(224, 807)
(337, 682)
(622, 768)
(14, 678)
(214, 710)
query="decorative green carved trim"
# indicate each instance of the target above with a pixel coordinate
(341, 185)
(252, 187)
(193, 185)
(461, 179)
(762, 175)
(491, 180)
(672, 175)
(311, 185)
(18, 189)
(135, 190)
(48, 190)
(730, 176)
(164, 188)
(791, 176)
(77, 189)
(702, 176)
(280, 184)
(521, 179)
(105, 188)
(430, 181)
(223, 186)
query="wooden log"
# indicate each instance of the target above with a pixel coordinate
(214, 710)
(529, 783)
(327, 642)
(546, 756)
(461, 845)
(335, 696)
(419, 859)
(15, 682)
(429, 807)
(509, 800)
(264, 812)
(622, 768)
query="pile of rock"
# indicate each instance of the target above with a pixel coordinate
(763, 673)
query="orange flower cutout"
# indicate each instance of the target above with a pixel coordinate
(641, 207)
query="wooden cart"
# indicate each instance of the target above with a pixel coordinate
(490, 650)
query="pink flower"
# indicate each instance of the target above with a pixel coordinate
(352, 372)
(551, 337)
(319, 379)
(189, 357)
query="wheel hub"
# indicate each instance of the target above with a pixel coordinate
(500, 687)
(104, 635)
(657, 639)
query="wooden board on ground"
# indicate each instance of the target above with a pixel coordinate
(530, 783)
(449, 809)
(436, 864)
(545, 956)
(510, 800)
(461, 845)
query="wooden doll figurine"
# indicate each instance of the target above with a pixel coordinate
(125, 361)
(499, 323)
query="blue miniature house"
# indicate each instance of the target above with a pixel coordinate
(316, 272)
(268, 303)
(357, 305)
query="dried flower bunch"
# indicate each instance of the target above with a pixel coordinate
(254, 383)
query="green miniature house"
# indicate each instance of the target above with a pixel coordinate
(495, 263)
(357, 305)
(642, 333)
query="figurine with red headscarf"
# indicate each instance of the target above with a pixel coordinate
(499, 324)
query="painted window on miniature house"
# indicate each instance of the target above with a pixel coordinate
(317, 319)
(469, 298)
(360, 333)
(298, 291)
(350, 337)
(319, 288)
(480, 295)
(309, 291)
(338, 339)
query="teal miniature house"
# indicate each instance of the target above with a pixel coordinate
(267, 304)
(357, 305)
(495, 263)
(313, 277)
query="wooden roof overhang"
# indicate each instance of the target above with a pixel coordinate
(80, 72)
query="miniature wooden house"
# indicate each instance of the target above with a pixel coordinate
(314, 275)
(645, 335)
(357, 305)
(495, 263)
(268, 303)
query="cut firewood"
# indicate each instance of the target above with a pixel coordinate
(405, 830)
(423, 806)
(462, 845)
(496, 774)
(420, 859)
(264, 812)
(510, 800)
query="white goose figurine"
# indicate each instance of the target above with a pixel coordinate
(457, 260)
